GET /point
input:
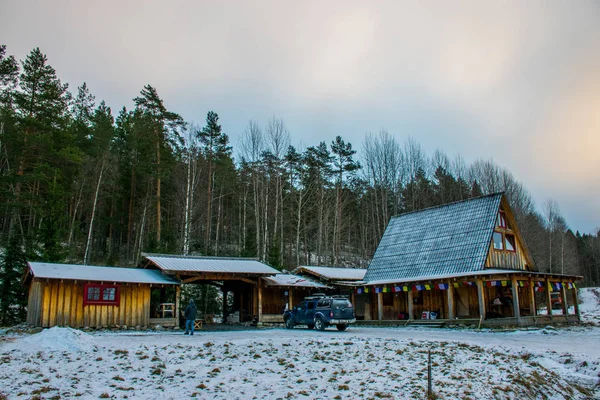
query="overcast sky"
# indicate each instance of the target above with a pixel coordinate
(518, 82)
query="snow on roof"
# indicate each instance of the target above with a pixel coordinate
(210, 264)
(335, 274)
(98, 273)
(485, 272)
(439, 241)
(293, 280)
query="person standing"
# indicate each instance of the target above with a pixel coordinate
(190, 317)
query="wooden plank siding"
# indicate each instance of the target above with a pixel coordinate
(506, 259)
(60, 303)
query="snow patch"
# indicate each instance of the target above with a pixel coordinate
(58, 339)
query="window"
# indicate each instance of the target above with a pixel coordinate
(501, 220)
(323, 303)
(101, 295)
(509, 242)
(498, 241)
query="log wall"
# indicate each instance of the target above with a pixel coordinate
(60, 303)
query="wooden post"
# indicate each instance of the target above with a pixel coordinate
(450, 300)
(515, 296)
(290, 298)
(411, 315)
(380, 306)
(548, 297)
(481, 298)
(353, 299)
(565, 304)
(576, 302)
(177, 304)
(255, 300)
(259, 284)
(532, 305)
(224, 291)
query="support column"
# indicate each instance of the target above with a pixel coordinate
(290, 298)
(548, 297)
(353, 299)
(224, 292)
(515, 296)
(450, 300)
(481, 298)
(380, 306)
(177, 304)
(259, 299)
(254, 301)
(411, 314)
(532, 305)
(565, 304)
(576, 302)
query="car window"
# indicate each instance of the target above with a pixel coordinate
(301, 305)
(323, 303)
(342, 303)
(310, 306)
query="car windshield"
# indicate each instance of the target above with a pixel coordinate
(342, 303)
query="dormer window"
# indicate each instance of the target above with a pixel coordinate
(501, 220)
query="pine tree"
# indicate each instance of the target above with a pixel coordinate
(165, 126)
(13, 296)
(343, 162)
(215, 145)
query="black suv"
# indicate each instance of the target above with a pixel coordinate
(320, 311)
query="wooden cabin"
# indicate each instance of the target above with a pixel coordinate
(464, 261)
(83, 296)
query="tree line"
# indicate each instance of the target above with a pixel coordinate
(83, 184)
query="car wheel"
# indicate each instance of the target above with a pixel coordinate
(319, 324)
(310, 326)
(289, 324)
(341, 327)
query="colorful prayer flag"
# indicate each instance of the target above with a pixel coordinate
(504, 283)
(427, 287)
(397, 289)
(456, 285)
(386, 289)
(377, 290)
(366, 290)
(442, 286)
(405, 288)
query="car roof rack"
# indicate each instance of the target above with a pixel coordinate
(315, 296)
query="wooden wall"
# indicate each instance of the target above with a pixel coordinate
(60, 303)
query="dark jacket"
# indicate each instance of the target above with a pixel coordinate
(190, 311)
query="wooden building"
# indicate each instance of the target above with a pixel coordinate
(91, 296)
(464, 261)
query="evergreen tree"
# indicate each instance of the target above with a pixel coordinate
(13, 295)
(165, 126)
(215, 145)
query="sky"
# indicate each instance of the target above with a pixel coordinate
(516, 82)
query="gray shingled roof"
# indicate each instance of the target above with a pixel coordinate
(335, 274)
(438, 241)
(171, 263)
(98, 274)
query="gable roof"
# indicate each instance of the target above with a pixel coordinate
(171, 263)
(293, 281)
(439, 241)
(98, 273)
(333, 274)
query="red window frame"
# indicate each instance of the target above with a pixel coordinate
(501, 220)
(513, 242)
(100, 301)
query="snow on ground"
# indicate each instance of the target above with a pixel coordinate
(363, 362)
(590, 305)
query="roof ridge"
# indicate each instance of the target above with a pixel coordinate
(147, 255)
(448, 204)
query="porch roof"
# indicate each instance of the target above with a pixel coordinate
(485, 274)
(333, 273)
(290, 280)
(219, 265)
